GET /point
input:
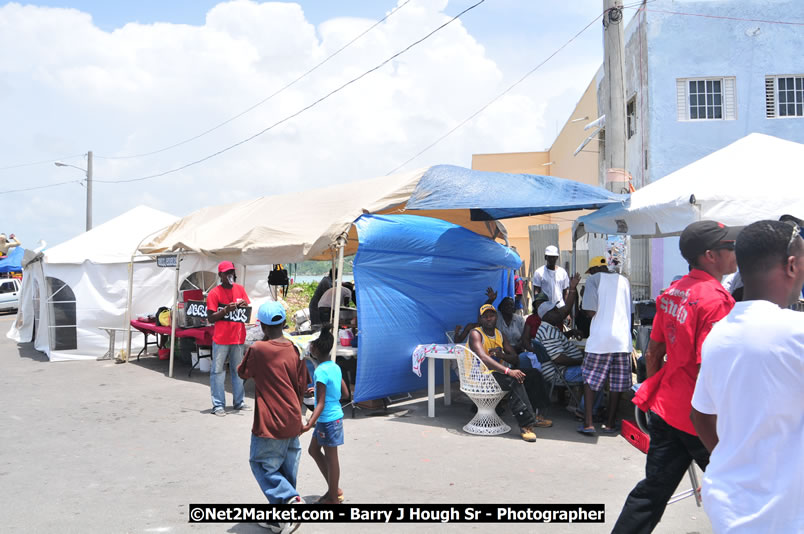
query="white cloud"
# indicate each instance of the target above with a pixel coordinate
(71, 86)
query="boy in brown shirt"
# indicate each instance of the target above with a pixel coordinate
(281, 379)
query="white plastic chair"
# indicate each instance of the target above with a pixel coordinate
(478, 384)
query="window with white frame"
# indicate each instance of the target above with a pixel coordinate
(784, 96)
(706, 98)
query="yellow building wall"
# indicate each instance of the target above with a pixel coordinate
(582, 167)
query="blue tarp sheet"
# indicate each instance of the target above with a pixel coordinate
(497, 195)
(417, 278)
(12, 262)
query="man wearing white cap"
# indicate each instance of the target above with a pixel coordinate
(228, 338)
(551, 279)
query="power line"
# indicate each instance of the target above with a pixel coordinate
(41, 187)
(40, 162)
(506, 91)
(264, 100)
(299, 112)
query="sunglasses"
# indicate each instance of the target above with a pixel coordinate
(793, 236)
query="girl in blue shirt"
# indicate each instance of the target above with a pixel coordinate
(327, 418)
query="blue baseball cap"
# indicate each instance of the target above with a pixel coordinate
(269, 310)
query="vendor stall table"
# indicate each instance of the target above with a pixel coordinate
(202, 336)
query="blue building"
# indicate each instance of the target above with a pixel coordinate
(700, 75)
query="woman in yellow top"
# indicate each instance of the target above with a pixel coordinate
(527, 388)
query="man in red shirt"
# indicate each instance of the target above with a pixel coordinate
(685, 313)
(226, 305)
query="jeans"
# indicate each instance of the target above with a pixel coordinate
(275, 463)
(217, 375)
(520, 403)
(670, 454)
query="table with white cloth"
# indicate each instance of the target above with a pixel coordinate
(435, 351)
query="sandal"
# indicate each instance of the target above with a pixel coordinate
(587, 431)
(610, 430)
(323, 500)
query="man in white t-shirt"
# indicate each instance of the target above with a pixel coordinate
(607, 300)
(551, 279)
(748, 405)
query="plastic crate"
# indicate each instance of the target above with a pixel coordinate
(635, 436)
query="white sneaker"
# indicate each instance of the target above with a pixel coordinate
(287, 528)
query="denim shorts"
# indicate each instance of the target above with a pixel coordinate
(329, 434)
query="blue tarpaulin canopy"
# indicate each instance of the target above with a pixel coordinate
(12, 262)
(417, 278)
(497, 195)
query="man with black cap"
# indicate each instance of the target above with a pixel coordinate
(228, 337)
(685, 313)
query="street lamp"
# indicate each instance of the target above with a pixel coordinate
(88, 172)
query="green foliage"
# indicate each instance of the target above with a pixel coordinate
(312, 268)
(298, 298)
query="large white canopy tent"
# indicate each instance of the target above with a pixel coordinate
(756, 177)
(74, 289)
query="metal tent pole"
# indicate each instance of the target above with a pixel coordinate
(341, 244)
(173, 316)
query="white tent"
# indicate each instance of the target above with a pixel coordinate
(81, 285)
(756, 177)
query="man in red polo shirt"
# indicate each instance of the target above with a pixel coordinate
(685, 313)
(224, 309)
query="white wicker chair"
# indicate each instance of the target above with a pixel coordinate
(478, 384)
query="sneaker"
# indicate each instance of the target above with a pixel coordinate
(528, 435)
(541, 422)
(287, 528)
(220, 412)
(243, 408)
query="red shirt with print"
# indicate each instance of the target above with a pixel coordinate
(227, 332)
(685, 313)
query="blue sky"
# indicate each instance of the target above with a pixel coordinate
(143, 75)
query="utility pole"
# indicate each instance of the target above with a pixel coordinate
(89, 191)
(614, 66)
(616, 159)
(88, 172)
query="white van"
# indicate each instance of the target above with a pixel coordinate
(9, 294)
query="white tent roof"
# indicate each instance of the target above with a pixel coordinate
(297, 226)
(113, 241)
(756, 177)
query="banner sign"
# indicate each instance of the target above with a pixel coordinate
(238, 315)
(196, 308)
(166, 261)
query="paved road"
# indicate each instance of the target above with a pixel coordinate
(100, 447)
